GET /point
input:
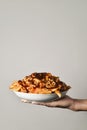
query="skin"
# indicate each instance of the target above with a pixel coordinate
(65, 102)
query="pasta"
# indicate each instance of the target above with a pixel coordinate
(40, 83)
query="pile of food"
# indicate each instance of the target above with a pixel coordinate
(40, 83)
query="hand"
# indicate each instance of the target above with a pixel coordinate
(65, 102)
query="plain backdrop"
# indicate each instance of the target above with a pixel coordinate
(42, 36)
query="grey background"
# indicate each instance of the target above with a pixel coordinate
(42, 35)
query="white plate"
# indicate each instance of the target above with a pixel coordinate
(38, 97)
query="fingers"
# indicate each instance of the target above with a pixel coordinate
(26, 101)
(37, 103)
(41, 103)
(47, 104)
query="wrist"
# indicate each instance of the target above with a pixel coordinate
(79, 105)
(73, 105)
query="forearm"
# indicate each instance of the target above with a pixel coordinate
(79, 105)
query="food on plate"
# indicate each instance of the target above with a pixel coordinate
(40, 83)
